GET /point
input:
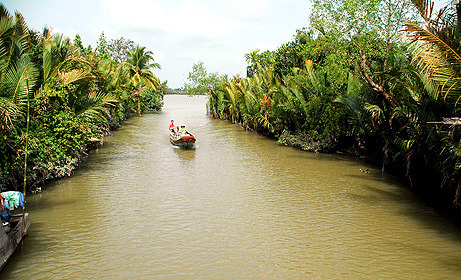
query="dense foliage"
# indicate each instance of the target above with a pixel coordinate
(58, 98)
(352, 83)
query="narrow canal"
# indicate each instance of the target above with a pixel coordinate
(239, 206)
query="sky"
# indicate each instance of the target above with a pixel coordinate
(178, 32)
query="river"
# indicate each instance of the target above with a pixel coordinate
(238, 206)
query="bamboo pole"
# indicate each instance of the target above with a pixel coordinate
(26, 144)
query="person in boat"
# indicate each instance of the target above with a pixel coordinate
(183, 130)
(5, 213)
(171, 127)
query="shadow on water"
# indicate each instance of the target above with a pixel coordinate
(427, 218)
(442, 211)
(409, 205)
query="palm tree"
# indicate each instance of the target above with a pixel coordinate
(18, 76)
(252, 58)
(232, 98)
(438, 46)
(17, 73)
(437, 50)
(139, 67)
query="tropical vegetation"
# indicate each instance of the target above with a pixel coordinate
(58, 98)
(376, 79)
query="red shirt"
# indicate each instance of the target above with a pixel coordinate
(171, 126)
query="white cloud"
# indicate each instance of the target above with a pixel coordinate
(249, 8)
(136, 13)
(191, 17)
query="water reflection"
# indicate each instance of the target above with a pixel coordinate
(185, 155)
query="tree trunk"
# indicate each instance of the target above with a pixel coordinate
(373, 85)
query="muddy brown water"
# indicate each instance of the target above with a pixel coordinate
(238, 206)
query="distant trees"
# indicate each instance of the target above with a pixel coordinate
(101, 47)
(199, 80)
(119, 49)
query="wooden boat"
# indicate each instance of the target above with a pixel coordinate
(185, 140)
(11, 234)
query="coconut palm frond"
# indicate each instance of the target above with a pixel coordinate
(74, 76)
(375, 111)
(20, 80)
(403, 144)
(419, 84)
(155, 65)
(96, 106)
(450, 83)
(232, 98)
(425, 8)
(59, 57)
(436, 52)
(429, 45)
(7, 22)
(3, 55)
(21, 25)
(47, 61)
(354, 103)
(120, 74)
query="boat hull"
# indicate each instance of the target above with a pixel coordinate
(9, 240)
(185, 141)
